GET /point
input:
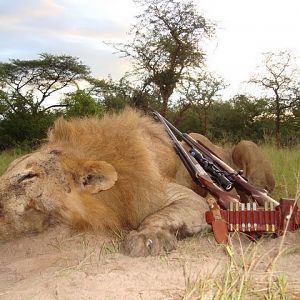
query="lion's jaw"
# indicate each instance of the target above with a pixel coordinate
(30, 193)
(51, 185)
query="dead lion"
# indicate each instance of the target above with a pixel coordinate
(116, 172)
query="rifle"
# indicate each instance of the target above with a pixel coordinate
(262, 214)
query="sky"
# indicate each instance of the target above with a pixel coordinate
(245, 29)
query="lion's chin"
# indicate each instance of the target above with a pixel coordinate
(7, 232)
(32, 222)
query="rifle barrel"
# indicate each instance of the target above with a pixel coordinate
(261, 196)
(191, 164)
(196, 170)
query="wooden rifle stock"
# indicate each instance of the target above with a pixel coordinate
(223, 198)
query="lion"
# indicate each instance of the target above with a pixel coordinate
(117, 172)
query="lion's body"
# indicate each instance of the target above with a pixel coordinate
(116, 172)
(141, 154)
(247, 157)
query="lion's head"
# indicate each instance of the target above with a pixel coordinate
(39, 188)
(100, 173)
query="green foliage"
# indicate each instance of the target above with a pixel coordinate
(24, 130)
(243, 117)
(247, 113)
(25, 85)
(112, 96)
(189, 122)
(199, 92)
(224, 122)
(80, 104)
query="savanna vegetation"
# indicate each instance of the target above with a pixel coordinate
(168, 74)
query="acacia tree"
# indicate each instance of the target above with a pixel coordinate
(112, 95)
(115, 95)
(280, 78)
(80, 103)
(25, 87)
(26, 84)
(199, 93)
(166, 44)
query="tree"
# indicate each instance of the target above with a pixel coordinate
(242, 117)
(25, 87)
(166, 44)
(115, 95)
(224, 122)
(252, 116)
(29, 83)
(279, 77)
(111, 95)
(200, 92)
(25, 130)
(296, 113)
(79, 103)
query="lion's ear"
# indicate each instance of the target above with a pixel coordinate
(98, 176)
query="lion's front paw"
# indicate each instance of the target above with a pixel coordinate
(147, 242)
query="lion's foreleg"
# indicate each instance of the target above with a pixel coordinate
(184, 215)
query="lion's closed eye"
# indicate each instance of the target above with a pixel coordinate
(27, 177)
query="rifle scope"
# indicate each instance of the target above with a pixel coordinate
(213, 170)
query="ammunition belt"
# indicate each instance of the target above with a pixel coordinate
(250, 218)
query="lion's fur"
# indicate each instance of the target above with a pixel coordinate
(120, 171)
(246, 156)
(140, 151)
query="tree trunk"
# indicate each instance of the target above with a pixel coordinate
(164, 108)
(277, 124)
(181, 113)
(165, 95)
(205, 122)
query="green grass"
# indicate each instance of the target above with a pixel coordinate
(6, 157)
(286, 167)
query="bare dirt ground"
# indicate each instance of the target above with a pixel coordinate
(61, 264)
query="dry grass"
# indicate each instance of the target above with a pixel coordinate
(249, 274)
